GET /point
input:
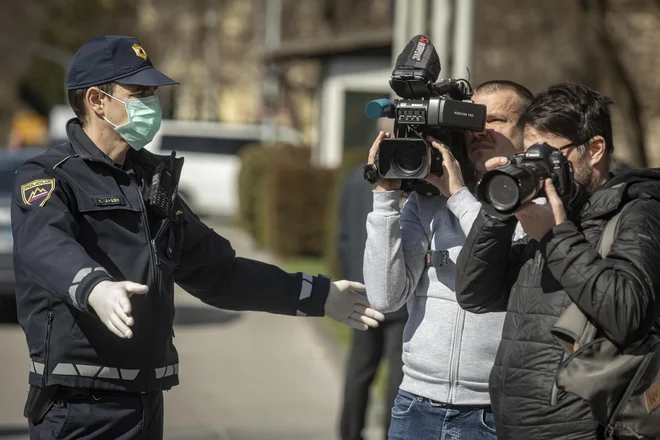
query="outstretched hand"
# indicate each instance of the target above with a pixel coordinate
(347, 303)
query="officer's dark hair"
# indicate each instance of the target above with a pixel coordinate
(572, 111)
(525, 97)
(77, 100)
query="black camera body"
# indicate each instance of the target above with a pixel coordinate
(409, 155)
(443, 110)
(506, 188)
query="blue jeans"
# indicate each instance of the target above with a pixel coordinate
(417, 418)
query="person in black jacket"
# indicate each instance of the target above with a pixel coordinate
(367, 348)
(100, 238)
(534, 280)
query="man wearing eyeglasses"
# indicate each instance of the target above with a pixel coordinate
(536, 278)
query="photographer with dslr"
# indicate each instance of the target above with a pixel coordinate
(566, 128)
(409, 261)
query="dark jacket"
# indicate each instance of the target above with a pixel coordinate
(621, 294)
(78, 219)
(355, 203)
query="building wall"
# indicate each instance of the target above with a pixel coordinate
(213, 47)
(210, 46)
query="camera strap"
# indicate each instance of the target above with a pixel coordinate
(437, 258)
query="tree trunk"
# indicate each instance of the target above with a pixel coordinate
(623, 90)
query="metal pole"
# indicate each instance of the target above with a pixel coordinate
(410, 19)
(418, 18)
(400, 34)
(439, 31)
(464, 39)
(271, 87)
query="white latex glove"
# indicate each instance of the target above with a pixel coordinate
(348, 304)
(110, 300)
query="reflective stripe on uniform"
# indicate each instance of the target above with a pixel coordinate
(36, 367)
(82, 273)
(169, 370)
(95, 371)
(306, 286)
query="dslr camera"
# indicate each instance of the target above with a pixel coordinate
(506, 188)
(443, 110)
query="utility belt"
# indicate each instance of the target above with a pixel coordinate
(40, 400)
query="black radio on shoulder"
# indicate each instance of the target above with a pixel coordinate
(163, 189)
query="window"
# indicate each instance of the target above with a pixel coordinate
(208, 145)
(359, 130)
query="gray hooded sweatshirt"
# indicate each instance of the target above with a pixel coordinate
(447, 352)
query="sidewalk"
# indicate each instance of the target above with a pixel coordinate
(253, 375)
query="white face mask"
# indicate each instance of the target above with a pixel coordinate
(144, 118)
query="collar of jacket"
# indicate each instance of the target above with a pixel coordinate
(87, 150)
(622, 188)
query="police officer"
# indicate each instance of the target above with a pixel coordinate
(101, 238)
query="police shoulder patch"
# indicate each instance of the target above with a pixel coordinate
(37, 192)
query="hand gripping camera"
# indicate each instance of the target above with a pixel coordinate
(508, 187)
(443, 110)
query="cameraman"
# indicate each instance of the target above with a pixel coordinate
(560, 261)
(447, 353)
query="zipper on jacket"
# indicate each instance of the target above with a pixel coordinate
(626, 395)
(51, 315)
(153, 258)
(153, 270)
(455, 353)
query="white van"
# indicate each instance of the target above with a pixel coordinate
(209, 180)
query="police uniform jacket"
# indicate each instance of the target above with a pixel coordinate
(78, 219)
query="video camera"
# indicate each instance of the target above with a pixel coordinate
(508, 187)
(443, 110)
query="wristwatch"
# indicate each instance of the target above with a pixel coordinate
(371, 173)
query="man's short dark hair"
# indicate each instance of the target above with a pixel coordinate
(77, 100)
(523, 93)
(572, 111)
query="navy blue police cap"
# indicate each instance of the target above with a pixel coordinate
(113, 59)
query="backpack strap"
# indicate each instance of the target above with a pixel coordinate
(610, 230)
(573, 328)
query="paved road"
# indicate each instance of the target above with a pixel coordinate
(243, 376)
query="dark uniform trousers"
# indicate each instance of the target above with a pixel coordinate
(367, 350)
(89, 414)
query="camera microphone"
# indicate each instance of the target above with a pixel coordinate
(417, 68)
(380, 108)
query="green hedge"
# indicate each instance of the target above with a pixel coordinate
(290, 207)
(253, 166)
(283, 200)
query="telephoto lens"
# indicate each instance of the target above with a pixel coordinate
(509, 187)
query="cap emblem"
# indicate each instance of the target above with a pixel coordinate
(139, 51)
